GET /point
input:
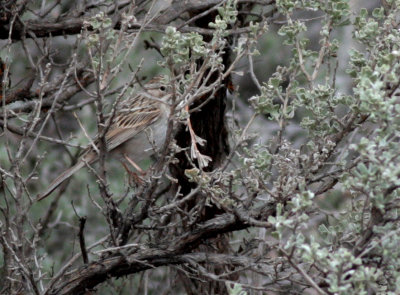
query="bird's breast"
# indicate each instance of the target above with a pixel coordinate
(144, 144)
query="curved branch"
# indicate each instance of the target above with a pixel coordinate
(116, 265)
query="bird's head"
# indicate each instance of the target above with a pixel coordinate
(157, 88)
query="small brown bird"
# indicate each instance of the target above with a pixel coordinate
(135, 121)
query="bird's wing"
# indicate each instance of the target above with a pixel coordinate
(131, 120)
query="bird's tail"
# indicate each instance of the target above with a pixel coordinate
(60, 179)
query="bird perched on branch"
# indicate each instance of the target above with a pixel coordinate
(137, 124)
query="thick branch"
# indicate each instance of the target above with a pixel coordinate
(73, 25)
(172, 253)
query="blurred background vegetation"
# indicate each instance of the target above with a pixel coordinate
(60, 243)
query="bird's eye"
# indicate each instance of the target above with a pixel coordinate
(162, 88)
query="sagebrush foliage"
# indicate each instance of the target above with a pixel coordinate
(355, 248)
(310, 211)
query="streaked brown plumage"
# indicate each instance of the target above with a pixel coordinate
(137, 121)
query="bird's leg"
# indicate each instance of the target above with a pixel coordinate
(133, 176)
(136, 166)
